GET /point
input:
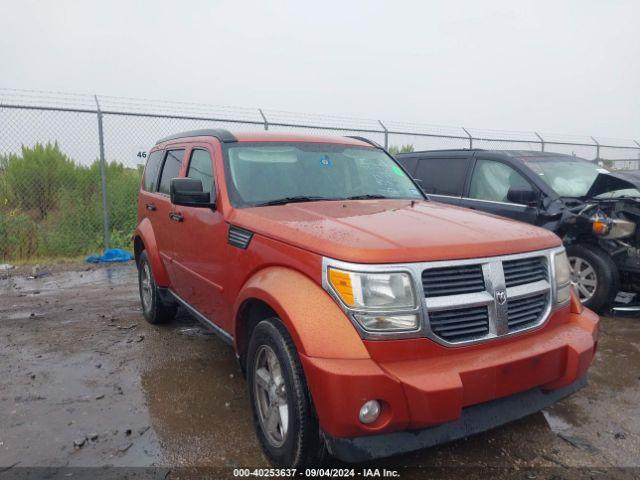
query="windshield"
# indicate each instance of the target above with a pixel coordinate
(567, 176)
(271, 173)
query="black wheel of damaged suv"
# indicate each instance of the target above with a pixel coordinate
(154, 311)
(283, 413)
(594, 275)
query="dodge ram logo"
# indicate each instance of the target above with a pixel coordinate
(501, 296)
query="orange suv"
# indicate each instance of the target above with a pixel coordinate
(368, 320)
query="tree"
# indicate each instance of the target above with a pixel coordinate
(34, 179)
(394, 149)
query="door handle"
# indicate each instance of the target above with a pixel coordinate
(150, 206)
(176, 217)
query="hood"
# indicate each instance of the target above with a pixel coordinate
(610, 182)
(390, 231)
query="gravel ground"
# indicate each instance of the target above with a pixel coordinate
(86, 382)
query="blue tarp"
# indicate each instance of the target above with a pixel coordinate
(111, 255)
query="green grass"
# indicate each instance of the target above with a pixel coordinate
(51, 207)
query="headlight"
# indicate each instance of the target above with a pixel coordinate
(562, 277)
(373, 290)
(379, 302)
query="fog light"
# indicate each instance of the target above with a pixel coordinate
(370, 411)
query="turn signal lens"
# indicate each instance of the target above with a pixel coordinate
(600, 227)
(341, 282)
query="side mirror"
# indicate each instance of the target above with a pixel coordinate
(523, 196)
(188, 192)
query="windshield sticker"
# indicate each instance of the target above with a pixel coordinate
(397, 170)
(325, 161)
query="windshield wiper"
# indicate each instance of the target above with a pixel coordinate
(285, 200)
(366, 197)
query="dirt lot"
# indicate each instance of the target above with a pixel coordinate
(80, 365)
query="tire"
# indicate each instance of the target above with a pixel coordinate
(299, 443)
(154, 311)
(595, 264)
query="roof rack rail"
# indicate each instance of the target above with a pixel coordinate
(445, 150)
(225, 136)
(364, 139)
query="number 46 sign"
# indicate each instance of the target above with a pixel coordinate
(140, 155)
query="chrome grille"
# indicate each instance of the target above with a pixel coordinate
(526, 311)
(461, 324)
(524, 270)
(471, 300)
(452, 280)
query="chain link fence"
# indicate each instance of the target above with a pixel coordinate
(70, 165)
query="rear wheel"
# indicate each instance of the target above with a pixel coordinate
(284, 417)
(594, 275)
(153, 309)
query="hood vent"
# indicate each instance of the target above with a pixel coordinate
(239, 237)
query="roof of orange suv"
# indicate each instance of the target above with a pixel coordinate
(226, 136)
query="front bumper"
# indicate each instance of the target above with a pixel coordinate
(475, 419)
(422, 385)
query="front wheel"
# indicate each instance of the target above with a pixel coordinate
(283, 413)
(594, 275)
(153, 309)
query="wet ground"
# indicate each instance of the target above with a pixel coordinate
(85, 381)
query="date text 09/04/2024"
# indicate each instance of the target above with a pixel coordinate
(316, 472)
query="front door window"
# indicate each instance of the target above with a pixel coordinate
(492, 180)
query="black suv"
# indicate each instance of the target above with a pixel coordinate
(594, 211)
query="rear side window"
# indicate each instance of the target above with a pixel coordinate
(170, 170)
(443, 176)
(151, 170)
(200, 168)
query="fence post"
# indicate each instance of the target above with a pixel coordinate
(103, 177)
(386, 135)
(470, 138)
(597, 148)
(541, 141)
(264, 118)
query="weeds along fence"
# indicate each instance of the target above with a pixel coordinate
(70, 165)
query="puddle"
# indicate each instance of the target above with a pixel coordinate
(21, 315)
(556, 423)
(197, 400)
(110, 276)
(195, 331)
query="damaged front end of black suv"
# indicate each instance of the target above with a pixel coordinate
(607, 216)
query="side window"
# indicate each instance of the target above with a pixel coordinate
(200, 168)
(151, 170)
(443, 176)
(492, 180)
(170, 170)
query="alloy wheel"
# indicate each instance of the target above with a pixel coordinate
(145, 286)
(271, 396)
(583, 278)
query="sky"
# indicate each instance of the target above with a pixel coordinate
(553, 66)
